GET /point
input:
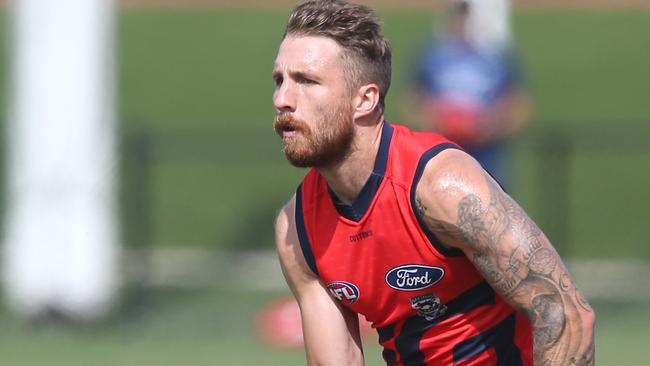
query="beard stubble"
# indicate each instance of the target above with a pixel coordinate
(328, 142)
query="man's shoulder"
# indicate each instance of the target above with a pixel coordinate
(448, 168)
(286, 214)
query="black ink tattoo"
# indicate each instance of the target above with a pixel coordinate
(527, 272)
(548, 319)
(565, 282)
(586, 359)
(470, 219)
(420, 207)
(439, 227)
(531, 249)
(542, 262)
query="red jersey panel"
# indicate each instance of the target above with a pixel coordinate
(428, 303)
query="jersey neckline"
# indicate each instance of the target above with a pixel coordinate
(360, 205)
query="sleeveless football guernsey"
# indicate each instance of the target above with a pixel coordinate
(376, 257)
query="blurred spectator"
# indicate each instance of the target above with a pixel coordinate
(471, 91)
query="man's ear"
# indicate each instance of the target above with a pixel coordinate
(366, 101)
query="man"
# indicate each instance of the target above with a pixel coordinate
(402, 227)
(472, 92)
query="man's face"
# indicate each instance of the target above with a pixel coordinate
(313, 101)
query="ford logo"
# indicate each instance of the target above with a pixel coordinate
(413, 277)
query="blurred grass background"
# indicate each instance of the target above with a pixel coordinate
(202, 168)
(199, 82)
(198, 327)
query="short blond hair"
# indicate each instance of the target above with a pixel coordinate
(356, 28)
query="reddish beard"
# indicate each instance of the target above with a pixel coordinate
(328, 143)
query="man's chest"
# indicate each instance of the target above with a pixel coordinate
(389, 272)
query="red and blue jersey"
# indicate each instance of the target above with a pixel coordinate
(427, 301)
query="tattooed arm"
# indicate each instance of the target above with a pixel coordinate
(467, 209)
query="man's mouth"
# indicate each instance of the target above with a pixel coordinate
(287, 127)
(289, 132)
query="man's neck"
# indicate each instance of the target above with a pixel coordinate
(347, 177)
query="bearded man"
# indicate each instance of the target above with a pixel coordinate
(404, 227)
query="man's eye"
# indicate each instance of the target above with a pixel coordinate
(306, 81)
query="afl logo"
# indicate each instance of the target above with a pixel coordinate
(413, 277)
(344, 292)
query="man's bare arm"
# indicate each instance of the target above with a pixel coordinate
(468, 210)
(331, 332)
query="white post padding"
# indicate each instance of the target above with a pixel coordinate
(489, 23)
(61, 249)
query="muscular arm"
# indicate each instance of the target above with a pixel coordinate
(331, 332)
(468, 210)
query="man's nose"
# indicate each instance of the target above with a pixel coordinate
(284, 98)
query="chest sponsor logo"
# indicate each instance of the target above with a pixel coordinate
(413, 277)
(345, 292)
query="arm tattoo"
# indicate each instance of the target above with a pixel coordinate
(484, 226)
(436, 226)
(515, 258)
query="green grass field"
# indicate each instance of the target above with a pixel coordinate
(198, 328)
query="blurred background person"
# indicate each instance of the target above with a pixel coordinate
(468, 83)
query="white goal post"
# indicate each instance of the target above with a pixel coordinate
(60, 242)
